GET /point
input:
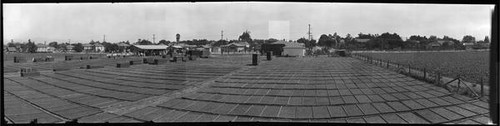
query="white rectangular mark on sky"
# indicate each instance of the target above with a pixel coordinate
(279, 29)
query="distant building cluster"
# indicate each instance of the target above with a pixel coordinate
(98, 48)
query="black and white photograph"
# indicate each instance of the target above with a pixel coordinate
(249, 62)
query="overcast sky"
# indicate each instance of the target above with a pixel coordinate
(82, 22)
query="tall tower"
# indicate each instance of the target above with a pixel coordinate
(104, 38)
(153, 38)
(309, 33)
(221, 34)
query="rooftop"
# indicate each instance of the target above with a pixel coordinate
(361, 40)
(151, 46)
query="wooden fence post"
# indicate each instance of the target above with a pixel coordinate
(439, 77)
(425, 73)
(482, 87)
(436, 79)
(458, 84)
(409, 69)
(388, 63)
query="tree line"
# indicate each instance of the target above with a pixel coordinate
(384, 41)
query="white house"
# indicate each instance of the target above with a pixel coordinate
(99, 48)
(88, 47)
(51, 49)
(236, 47)
(70, 48)
(292, 48)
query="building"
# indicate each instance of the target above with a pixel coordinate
(88, 48)
(483, 45)
(12, 49)
(433, 45)
(93, 48)
(292, 48)
(295, 49)
(51, 49)
(99, 47)
(361, 40)
(445, 41)
(124, 47)
(468, 46)
(236, 47)
(42, 48)
(284, 48)
(205, 47)
(215, 49)
(149, 50)
(69, 48)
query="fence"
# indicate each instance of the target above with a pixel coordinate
(456, 84)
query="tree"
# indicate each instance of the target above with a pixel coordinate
(177, 37)
(432, 38)
(11, 44)
(53, 44)
(365, 36)
(110, 47)
(271, 40)
(30, 47)
(92, 42)
(245, 37)
(308, 44)
(486, 39)
(78, 47)
(348, 38)
(468, 39)
(163, 41)
(391, 41)
(62, 47)
(220, 42)
(422, 41)
(325, 41)
(143, 42)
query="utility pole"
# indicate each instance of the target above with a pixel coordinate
(309, 32)
(221, 35)
(104, 38)
(153, 38)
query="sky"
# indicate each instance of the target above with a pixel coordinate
(83, 22)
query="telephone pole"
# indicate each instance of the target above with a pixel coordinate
(221, 35)
(153, 38)
(309, 33)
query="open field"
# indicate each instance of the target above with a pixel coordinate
(223, 88)
(72, 94)
(470, 65)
